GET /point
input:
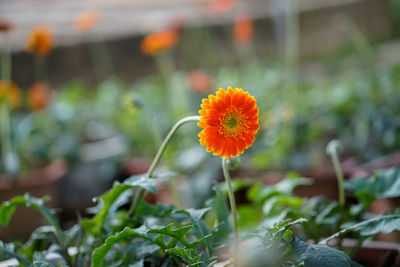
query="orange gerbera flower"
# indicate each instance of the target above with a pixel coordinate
(38, 96)
(39, 41)
(229, 121)
(243, 29)
(10, 91)
(159, 42)
(86, 20)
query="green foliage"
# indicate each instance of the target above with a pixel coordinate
(304, 254)
(383, 184)
(177, 237)
(7, 208)
(95, 225)
(381, 224)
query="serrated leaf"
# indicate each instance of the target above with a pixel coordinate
(100, 252)
(196, 216)
(318, 255)
(274, 235)
(382, 224)
(178, 234)
(95, 225)
(383, 184)
(185, 254)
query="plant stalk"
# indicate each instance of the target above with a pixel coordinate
(140, 193)
(332, 150)
(339, 175)
(232, 202)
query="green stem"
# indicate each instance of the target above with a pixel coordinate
(140, 193)
(40, 69)
(6, 64)
(339, 175)
(9, 159)
(232, 202)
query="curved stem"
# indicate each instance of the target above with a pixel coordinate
(232, 202)
(332, 150)
(140, 193)
(339, 175)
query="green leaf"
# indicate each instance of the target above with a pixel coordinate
(273, 235)
(259, 193)
(176, 235)
(100, 252)
(382, 224)
(8, 251)
(142, 181)
(95, 225)
(318, 255)
(185, 254)
(7, 209)
(42, 264)
(383, 184)
(219, 205)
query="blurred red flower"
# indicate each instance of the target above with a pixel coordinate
(38, 96)
(159, 42)
(86, 20)
(200, 82)
(243, 29)
(40, 40)
(218, 7)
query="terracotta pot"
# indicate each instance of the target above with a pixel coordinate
(38, 183)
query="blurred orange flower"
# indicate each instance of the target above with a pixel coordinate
(40, 40)
(159, 42)
(86, 20)
(38, 96)
(200, 82)
(218, 7)
(11, 93)
(6, 25)
(243, 29)
(229, 121)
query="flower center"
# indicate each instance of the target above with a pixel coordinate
(231, 124)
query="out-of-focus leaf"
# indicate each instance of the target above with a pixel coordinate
(258, 193)
(383, 184)
(249, 216)
(7, 209)
(277, 203)
(7, 250)
(382, 224)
